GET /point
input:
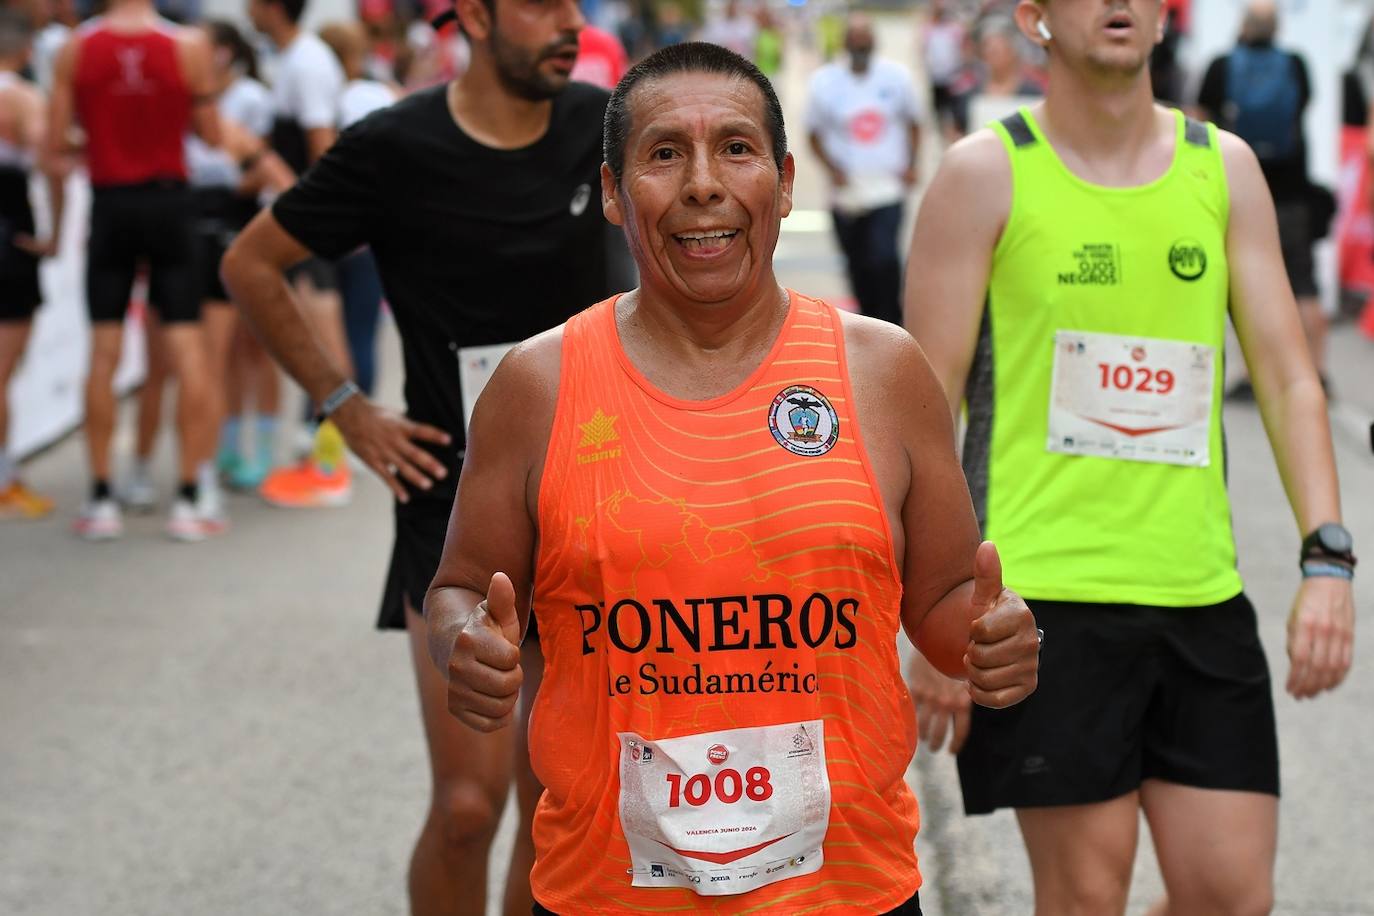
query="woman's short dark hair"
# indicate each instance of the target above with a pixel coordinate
(225, 34)
(689, 57)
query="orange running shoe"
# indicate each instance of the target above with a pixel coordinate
(18, 501)
(308, 486)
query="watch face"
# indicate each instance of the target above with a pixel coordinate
(1335, 539)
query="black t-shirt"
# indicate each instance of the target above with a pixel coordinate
(1287, 178)
(475, 245)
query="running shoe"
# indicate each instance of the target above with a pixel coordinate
(308, 486)
(100, 520)
(139, 494)
(18, 501)
(210, 502)
(228, 463)
(249, 473)
(189, 523)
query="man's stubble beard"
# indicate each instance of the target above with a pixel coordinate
(1117, 67)
(519, 71)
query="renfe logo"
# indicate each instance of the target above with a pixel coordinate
(717, 754)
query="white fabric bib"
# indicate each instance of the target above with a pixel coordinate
(725, 812)
(1131, 398)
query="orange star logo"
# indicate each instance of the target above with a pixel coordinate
(597, 431)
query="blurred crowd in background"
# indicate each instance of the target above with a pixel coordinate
(977, 64)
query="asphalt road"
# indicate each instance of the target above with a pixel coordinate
(217, 729)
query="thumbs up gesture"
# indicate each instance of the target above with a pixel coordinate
(484, 673)
(1003, 658)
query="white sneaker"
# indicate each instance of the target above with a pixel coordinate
(139, 493)
(100, 520)
(210, 500)
(189, 524)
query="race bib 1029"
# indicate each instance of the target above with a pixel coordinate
(1131, 398)
(725, 812)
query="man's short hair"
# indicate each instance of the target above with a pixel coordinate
(690, 57)
(16, 29)
(293, 9)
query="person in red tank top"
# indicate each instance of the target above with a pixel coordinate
(136, 84)
(722, 516)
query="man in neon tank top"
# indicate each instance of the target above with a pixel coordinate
(721, 519)
(1080, 309)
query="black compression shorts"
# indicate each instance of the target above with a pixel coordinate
(142, 224)
(19, 292)
(1128, 693)
(220, 214)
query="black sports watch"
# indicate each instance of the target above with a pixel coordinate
(1329, 542)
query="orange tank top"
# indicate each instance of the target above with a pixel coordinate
(718, 572)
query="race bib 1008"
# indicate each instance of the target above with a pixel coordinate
(1131, 398)
(725, 812)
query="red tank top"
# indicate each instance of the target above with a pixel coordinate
(133, 103)
(722, 726)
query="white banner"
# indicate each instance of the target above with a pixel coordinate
(46, 393)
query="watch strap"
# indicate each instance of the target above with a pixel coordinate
(1312, 569)
(337, 397)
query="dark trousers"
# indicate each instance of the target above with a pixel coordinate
(360, 287)
(869, 241)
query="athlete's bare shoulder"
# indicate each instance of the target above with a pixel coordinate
(972, 188)
(19, 95)
(980, 150)
(530, 370)
(190, 39)
(1242, 165)
(883, 360)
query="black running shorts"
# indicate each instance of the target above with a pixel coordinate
(1129, 693)
(421, 526)
(20, 294)
(220, 214)
(19, 290)
(142, 224)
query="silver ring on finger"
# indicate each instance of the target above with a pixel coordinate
(391, 469)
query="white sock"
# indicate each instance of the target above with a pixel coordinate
(207, 478)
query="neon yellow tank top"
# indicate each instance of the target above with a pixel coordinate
(1095, 450)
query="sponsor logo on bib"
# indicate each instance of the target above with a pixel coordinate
(803, 421)
(717, 754)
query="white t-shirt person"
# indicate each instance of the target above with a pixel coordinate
(307, 83)
(863, 122)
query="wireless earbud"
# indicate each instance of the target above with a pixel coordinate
(1044, 30)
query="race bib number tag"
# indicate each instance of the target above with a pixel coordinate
(475, 368)
(1131, 398)
(725, 812)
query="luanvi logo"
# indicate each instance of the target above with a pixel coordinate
(596, 433)
(1188, 259)
(1096, 264)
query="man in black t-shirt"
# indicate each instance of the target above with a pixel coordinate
(481, 202)
(1261, 92)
